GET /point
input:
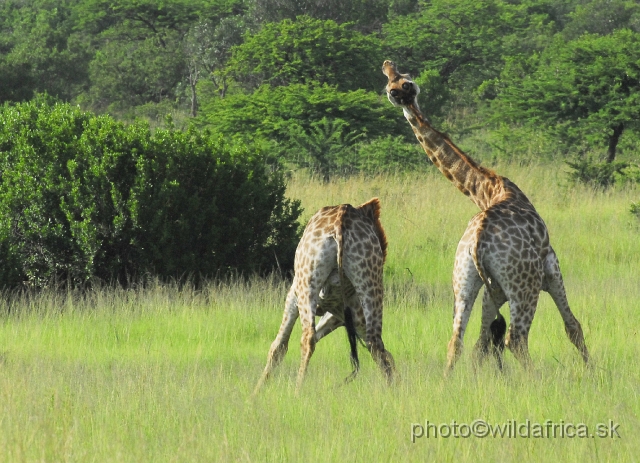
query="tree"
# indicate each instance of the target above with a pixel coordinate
(602, 17)
(271, 112)
(311, 125)
(207, 49)
(85, 196)
(308, 50)
(39, 50)
(452, 46)
(143, 49)
(584, 89)
(367, 15)
(131, 73)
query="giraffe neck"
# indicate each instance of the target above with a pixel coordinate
(483, 186)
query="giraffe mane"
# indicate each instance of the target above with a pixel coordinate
(372, 209)
(466, 158)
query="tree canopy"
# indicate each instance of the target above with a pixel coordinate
(258, 87)
(586, 89)
(486, 67)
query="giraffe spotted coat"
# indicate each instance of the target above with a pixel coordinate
(505, 246)
(338, 268)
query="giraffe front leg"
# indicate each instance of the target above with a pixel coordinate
(280, 344)
(554, 285)
(466, 284)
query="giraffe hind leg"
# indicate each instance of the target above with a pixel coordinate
(466, 284)
(522, 310)
(307, 304)
(280, 344)
(554, 285)
(368, 285)
(381, 356)
(307, 347)
(371, 300)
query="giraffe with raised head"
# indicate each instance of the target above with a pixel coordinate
(505, 246)
(338, 275)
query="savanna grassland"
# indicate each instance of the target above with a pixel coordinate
(164, 373)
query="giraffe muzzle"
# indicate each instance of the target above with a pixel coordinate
(404, 94)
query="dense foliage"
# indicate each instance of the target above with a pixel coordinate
(494, 73)
(298, 81)
(587, 89)
(84, 196)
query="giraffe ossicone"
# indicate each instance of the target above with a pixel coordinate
(505, 246)
(338, 275)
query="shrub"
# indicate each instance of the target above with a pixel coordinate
(84, 196)
(211, 208)
(597, 174)
(635, 209)
(389, 154)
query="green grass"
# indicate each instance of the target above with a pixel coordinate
(161, 373)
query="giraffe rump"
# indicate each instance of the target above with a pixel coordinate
(372, 209)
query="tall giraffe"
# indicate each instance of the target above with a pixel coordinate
(338, 274)
(505, 246)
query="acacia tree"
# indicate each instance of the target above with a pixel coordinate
(602, 17)
(585, 89)
(39, 50)
(208, 48)
(308, 50)
(452, 46)
(140, 47)
(367, 15)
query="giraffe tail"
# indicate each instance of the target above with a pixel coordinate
(477, 253)
(349, 325)
(498, 330)
(498, 327)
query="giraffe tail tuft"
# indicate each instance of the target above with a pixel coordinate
(353, 342)
(498, 330)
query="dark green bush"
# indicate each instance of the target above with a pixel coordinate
(635, 209)
(84, 196)
(389, 154)
(211, 208)
(597, 174)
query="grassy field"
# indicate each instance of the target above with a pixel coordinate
(161, 373)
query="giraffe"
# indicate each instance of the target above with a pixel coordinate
(338, 275)
(505, 246)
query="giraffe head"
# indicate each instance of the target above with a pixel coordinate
(401, 90)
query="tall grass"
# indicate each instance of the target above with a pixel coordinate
(164, 372)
